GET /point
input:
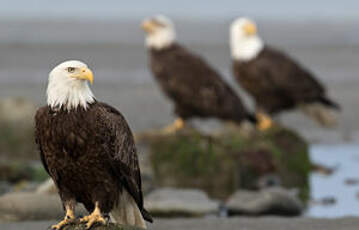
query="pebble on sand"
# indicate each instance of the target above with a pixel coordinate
(170, 202)
(270, 201)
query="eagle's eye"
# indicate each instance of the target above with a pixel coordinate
(71, 69)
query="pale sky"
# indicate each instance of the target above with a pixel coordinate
(108, 9)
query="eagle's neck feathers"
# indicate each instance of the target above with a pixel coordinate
(69, 95)
(247, 48)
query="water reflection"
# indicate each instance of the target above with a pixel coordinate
(346, 203)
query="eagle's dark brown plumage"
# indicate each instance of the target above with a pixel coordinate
(275, 80)
(90, 154)
(278, 83)
(195, 88)
(88, 149)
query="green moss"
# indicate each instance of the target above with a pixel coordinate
(223, 163)
(295, 156)
(15, 172)
(194, 161)
(289, 153)
(38, 174)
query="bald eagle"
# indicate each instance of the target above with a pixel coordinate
(88, 149)
(276, 81)
(195, 88)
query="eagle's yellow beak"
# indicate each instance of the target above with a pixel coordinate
(250, 29)
(85, 74)
(148, 26)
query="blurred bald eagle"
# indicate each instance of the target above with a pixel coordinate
(276, 81)
(196, 89)
(88, 149)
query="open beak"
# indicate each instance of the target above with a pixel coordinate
(85, 74)
(250, 29)
(148, 26)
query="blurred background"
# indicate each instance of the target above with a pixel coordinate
(323, 35)
(37, 35)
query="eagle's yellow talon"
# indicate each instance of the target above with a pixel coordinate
(69, 219)
(265, 122)
(84, 219)
(175, 126)
(93, 218)
(63, 223)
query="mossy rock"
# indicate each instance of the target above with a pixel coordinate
(101, 227)
(17, 129)
(15, 172)
(222, 163)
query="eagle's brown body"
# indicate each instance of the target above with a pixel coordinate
(90, 154)
(277, 83)
(196, 89)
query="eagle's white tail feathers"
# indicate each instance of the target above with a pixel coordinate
(323, 114)
(127, 212)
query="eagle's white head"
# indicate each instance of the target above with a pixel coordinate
(244, 41)
(67, 87)
(160, 32)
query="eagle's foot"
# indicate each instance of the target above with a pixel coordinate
(69, 219)
(175, 126)
(94, 218)
(264, 121)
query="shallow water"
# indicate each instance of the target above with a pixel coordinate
(346, 159)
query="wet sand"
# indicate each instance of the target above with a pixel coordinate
(242, 223)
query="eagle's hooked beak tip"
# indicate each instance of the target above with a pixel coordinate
(250, 29)
(147, 26)
(87, 74)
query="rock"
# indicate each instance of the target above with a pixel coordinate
(322, 169)
(18, 171)
(328, 201)
(351, 181)
(147, 174)
(31, 206)
(271, 201)
(47, 187)
(24, 186)
(17, 129)
(223, 162)
(325, 201)
(5, 187)
(104, 227)
(269, 180)
(169, 202)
